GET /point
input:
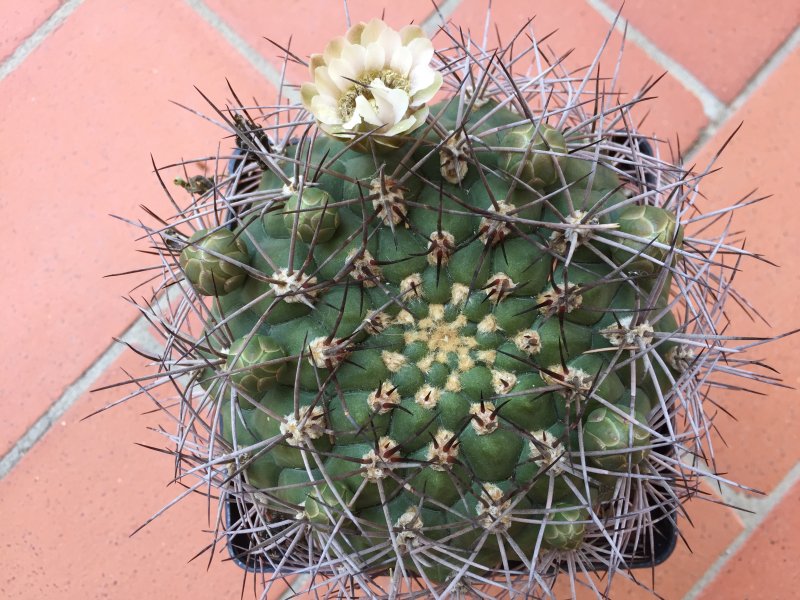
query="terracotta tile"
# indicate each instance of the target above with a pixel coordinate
(722, 42)
(579, 27)
(89, 106)
(760, 157)
(713, 527)
(71, 503)
(20, 20)
(766, 565)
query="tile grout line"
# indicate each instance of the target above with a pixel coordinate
(713, 107)
(136, 334)
(300, 582)
(766, 507)
(717, 111)
(33, 41)
(761, 75)
(433, 21)
(738, 498)
(269, 71)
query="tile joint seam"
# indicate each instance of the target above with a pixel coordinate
(34, 40)
(268, 70)
(758, 78)
(137, 333)
(713, 107)
(766, 507)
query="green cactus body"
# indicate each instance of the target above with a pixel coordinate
(412, 344)
(456, 344)
(212, 262)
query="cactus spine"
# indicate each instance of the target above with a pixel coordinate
(459, 344)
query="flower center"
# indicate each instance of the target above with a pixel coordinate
(361, 87)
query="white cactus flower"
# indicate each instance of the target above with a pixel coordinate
(372, 79)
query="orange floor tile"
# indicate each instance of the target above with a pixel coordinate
(88, 101)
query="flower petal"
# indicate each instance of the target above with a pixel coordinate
(419, 118)
(420, 77)
(317, 60)
(367, 112)
(355, 33)
(402, 126)
(325, 110)
(424, 95)
(376, 57)
(390, 40)
(307, 93)
(372, 31)
(334, 48)
(334, 130)
(325, 84)
(422, 51)
(371, 48)
(392, 104)
(411, 32)
(341, 74)
(355, 56)
(401, 61)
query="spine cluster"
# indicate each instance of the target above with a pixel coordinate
(464, 347)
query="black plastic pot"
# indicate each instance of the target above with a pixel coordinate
(665, 533)
(665, 537)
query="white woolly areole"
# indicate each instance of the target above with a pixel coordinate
(492, 511)
(499, 286)
(575, 383)
(384, 399)
(409, 525)
(436, 312)
(680, 357)
(404, 318)
(503, 381)
(308, 425)
(427, 396)
(377, 322)
(325, 354)
(293, 185)
(443, 450)
(292, 287)
(377, 463)
(488, 324)
(563, 300)
(493, 230)
(394, 361)
(441, 246)
(453, 383)
(626, 336)
(529, 341)
(545, 451)
(579, 230)
(411, 286)
(363, 267)
(388, 202)
(453, 158)
(487, 356)
(459, 294)
(484, 421)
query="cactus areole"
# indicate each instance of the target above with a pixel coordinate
(440, 328)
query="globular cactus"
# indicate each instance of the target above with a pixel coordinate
(453, 328)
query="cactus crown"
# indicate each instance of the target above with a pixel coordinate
(460, 343)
